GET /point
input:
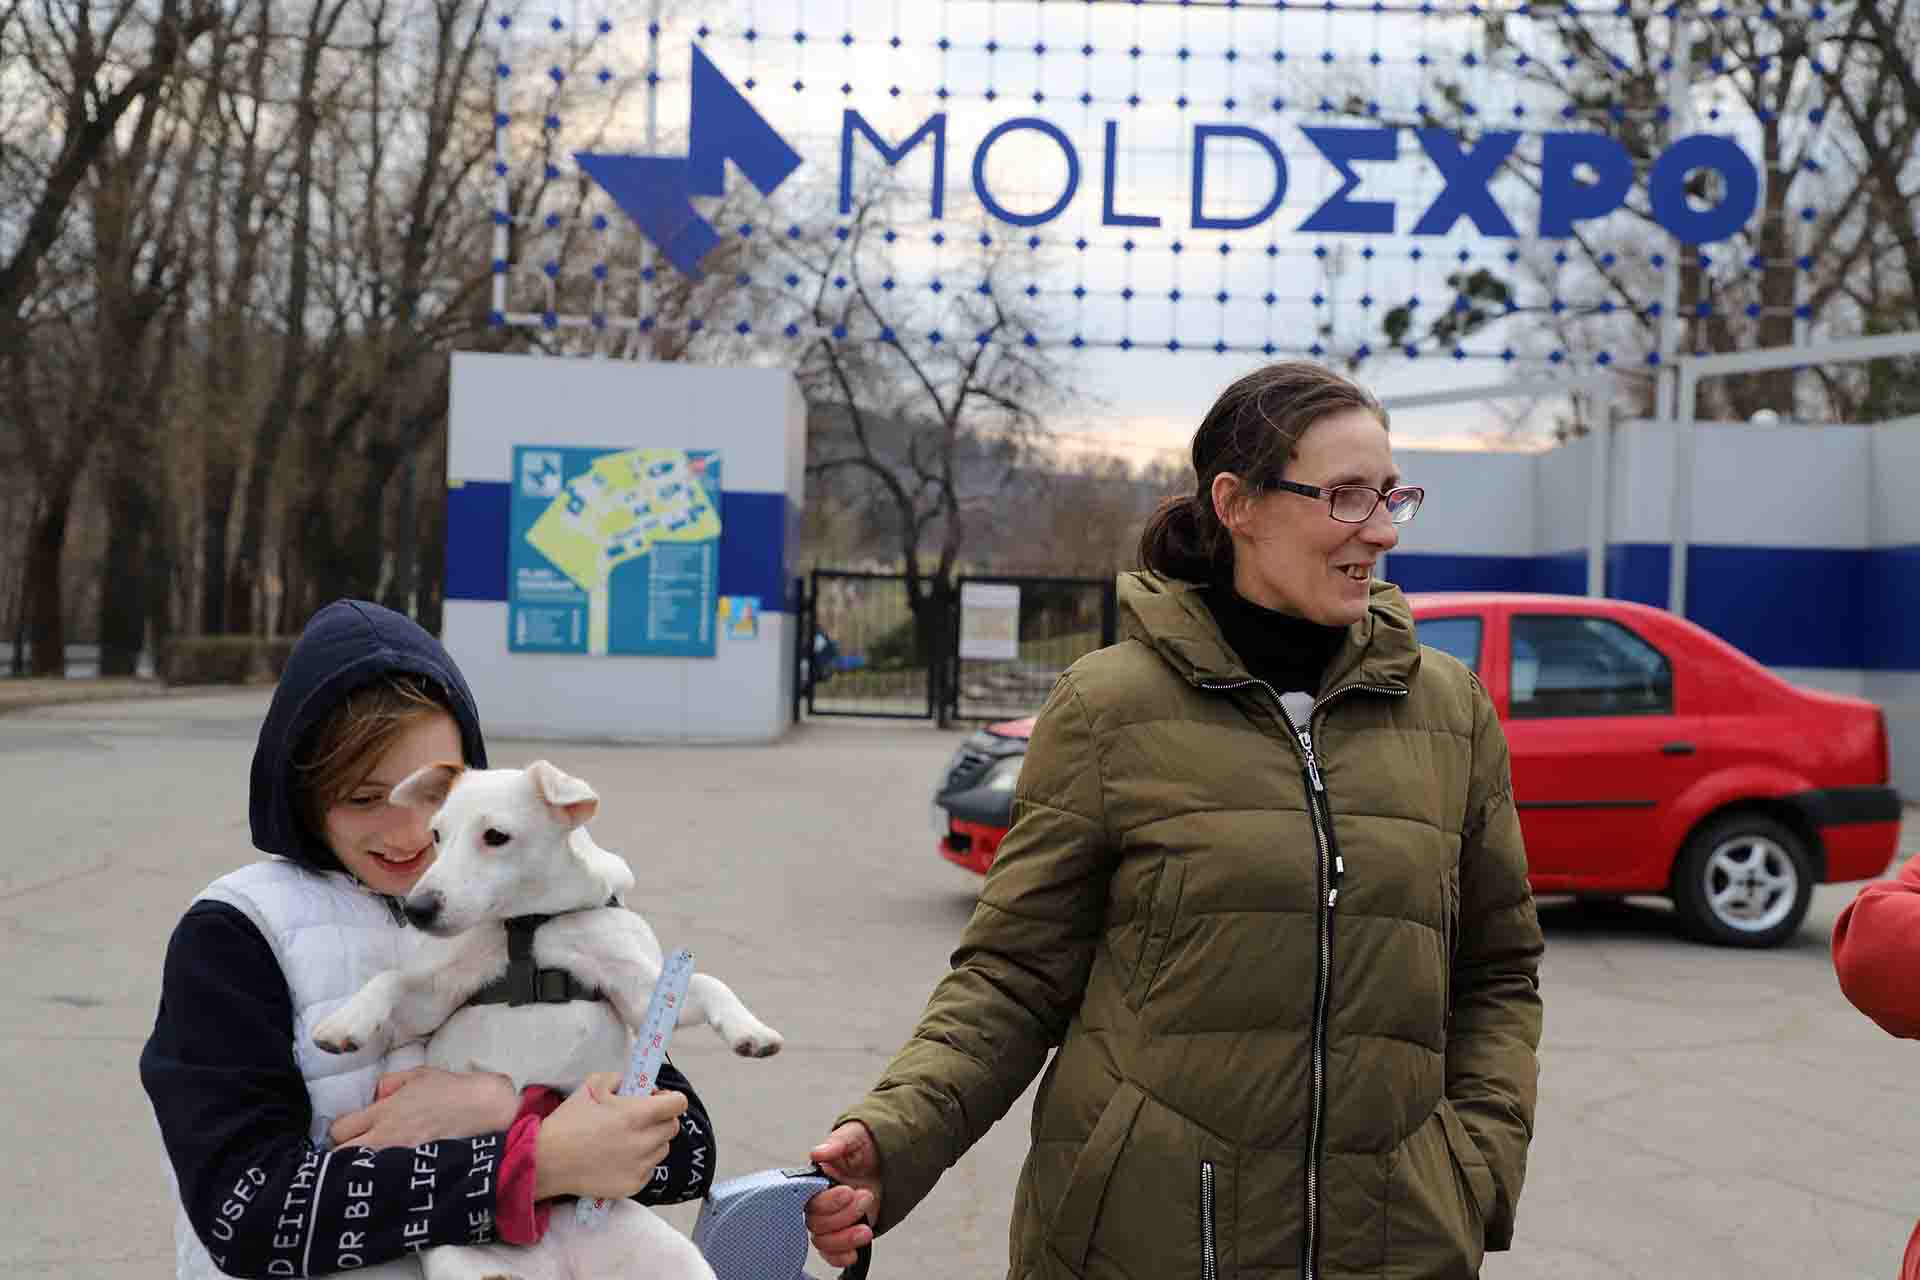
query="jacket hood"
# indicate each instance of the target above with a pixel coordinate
(347, 644)
(1171, 617)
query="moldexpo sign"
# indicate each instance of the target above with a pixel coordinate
(1583, 176)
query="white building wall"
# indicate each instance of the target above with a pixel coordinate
(756, 419)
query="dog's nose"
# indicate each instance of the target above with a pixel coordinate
(424, 909)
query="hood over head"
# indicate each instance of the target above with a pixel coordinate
(347, 644)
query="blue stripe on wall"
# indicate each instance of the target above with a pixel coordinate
(1641, 572)
(1436, 571)
(477, 540)
(1891, 587)
(1786, 606)
(753, 544)
(753, 558)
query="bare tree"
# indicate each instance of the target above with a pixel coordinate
(931, 397)
(104, 72)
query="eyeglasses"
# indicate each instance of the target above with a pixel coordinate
(1354, 503)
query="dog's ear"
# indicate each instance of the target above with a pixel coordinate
(573, 800)
(426, 788)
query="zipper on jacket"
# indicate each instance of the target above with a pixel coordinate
(1209, 1256)
(1330, 869)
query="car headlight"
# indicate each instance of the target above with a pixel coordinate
(1004, 774)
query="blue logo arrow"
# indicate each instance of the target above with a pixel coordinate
(657, 191)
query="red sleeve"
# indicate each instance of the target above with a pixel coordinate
(1876, 952)
(517, 1217)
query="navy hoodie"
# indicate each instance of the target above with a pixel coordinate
(219, 1068)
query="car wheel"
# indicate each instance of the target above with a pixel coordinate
(1743, 881)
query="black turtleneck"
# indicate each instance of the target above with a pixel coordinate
(1288, 652)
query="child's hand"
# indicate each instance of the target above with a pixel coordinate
(599, 1143)
(426, 1104)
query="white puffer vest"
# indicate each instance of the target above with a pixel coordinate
(330, 936)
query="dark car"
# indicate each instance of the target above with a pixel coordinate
(1649, 757)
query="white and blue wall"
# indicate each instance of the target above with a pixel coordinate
(1804, 545)
(754, 417)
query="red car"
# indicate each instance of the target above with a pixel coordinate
(1649, 757)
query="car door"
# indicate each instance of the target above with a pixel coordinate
(1598, 744)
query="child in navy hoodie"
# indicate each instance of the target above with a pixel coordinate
(288, 1161)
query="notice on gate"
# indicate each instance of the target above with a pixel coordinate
(989, 620)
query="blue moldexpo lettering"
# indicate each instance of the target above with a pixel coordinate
(935, 125)
(1342, 147)
(1564, 198)
(1202, 134)
(1667, 186)
(1468, 175)
(1000, 211)
(1108, 218)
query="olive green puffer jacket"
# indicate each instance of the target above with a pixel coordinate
(1280, 1055)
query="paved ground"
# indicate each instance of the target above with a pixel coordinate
(1704, 1113)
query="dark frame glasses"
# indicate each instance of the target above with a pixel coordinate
(1355, 503)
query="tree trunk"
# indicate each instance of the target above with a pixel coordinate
(127, 589)
(217, 489)
(45, 625)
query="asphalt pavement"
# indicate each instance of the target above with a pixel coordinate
(1703, 1113)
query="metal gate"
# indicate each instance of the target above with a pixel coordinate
(1011, 637)
(989, 651)
(860, 651)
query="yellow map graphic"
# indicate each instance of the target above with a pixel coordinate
(618, 509)
(615, 512)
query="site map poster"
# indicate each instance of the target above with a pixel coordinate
(614, 551)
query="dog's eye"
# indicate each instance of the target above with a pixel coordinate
(495, 837)
(436, 837)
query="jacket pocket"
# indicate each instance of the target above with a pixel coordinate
(1071, 1233)
(1475, 1176)
(1162, 908)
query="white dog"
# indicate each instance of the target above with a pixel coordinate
(511, 843)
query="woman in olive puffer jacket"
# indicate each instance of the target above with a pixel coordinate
(1266, 894)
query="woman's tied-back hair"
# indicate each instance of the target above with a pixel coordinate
(1253, 431)
(345, 745)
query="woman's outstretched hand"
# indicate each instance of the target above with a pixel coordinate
(840, 1219)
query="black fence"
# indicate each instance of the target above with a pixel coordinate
(861, 650)
(986, 649)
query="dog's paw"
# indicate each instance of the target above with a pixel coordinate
(757, 1041)
(339, 1035)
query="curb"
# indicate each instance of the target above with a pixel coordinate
(28, 693)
